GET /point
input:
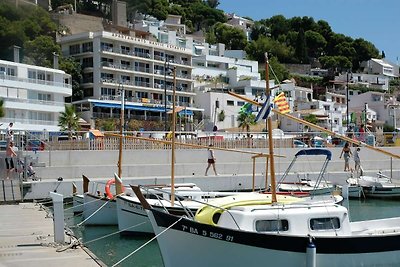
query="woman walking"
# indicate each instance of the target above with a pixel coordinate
(346, 153)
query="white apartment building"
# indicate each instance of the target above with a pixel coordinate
(217, 71)
(239, 22)
(386, 108)
(329, 111)
(33, 96)
(142, 68)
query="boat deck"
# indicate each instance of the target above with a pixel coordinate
(27, 239)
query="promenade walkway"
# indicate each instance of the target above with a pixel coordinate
(27, 239)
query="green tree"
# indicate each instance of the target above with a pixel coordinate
(74, 68)
(301, 49)
(364, 51)
(69, 120)
(40, 51)
(256, 50)
(311, 118)
(2, 112)
(315, 43)
(246, 120)
(232, 37)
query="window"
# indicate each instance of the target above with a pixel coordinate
(87, 47)
(44, 97)
(107, 91)
(240, 103)
(325, 223)
(106, 47)
(31, 74)
(125, 50)
(10, 71)
(87, 62)
(87, 92)
(230, 103)
(74, 49)
(87, 77)
(272, 225)
(41, 76)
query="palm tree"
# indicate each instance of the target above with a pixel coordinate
(246, 120)
(69, 120)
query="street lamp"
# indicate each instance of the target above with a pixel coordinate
(166, 65)
(122, 91)
(347, 102)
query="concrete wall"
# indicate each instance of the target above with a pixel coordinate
(153, 167)
(150, 163)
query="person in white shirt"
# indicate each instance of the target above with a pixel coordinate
(211, 160)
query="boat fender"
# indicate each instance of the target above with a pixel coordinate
(108, 190)
(311, 257)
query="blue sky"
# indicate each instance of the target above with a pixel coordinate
(377, 21)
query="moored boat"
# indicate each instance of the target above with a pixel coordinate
(297, 234)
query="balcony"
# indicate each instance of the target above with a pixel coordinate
(34, 81)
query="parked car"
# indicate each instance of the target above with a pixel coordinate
(317, 143)
(297, 143)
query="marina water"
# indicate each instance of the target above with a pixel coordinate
(111, 247)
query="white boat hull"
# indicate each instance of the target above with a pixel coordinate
(99, 210)
(133, 219)
(188, 243)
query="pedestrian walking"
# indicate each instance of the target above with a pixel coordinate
(10, 154)
(346, 153)
(211, 160)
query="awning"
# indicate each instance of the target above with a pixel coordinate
(186, 112)
(131, 107)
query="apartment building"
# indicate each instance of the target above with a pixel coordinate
(33, 96)
(141, 67)
(217, 71)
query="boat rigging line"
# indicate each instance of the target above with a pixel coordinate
(91, 215)
(148, 242)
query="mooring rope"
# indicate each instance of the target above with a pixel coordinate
(114, 233)
(148, 242)
(91, 215)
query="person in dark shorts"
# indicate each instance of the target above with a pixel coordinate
(10, 154)
(211, 160)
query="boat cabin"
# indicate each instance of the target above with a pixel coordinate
(293, 219)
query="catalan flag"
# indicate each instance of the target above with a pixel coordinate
(281, 103)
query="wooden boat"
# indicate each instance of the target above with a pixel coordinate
(77, 199)
(299, 234)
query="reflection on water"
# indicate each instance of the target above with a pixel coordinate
(115, 247)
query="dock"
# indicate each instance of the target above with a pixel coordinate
(27, 239)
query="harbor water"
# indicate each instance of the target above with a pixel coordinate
(112, 248)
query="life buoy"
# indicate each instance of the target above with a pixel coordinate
(108, 190)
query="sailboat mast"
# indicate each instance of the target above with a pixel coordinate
(173, 141)
(269, 129)
(118, 186)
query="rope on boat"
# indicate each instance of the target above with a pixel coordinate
(83, 204)
(91, 215)
(148, 242)
(114, 233)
